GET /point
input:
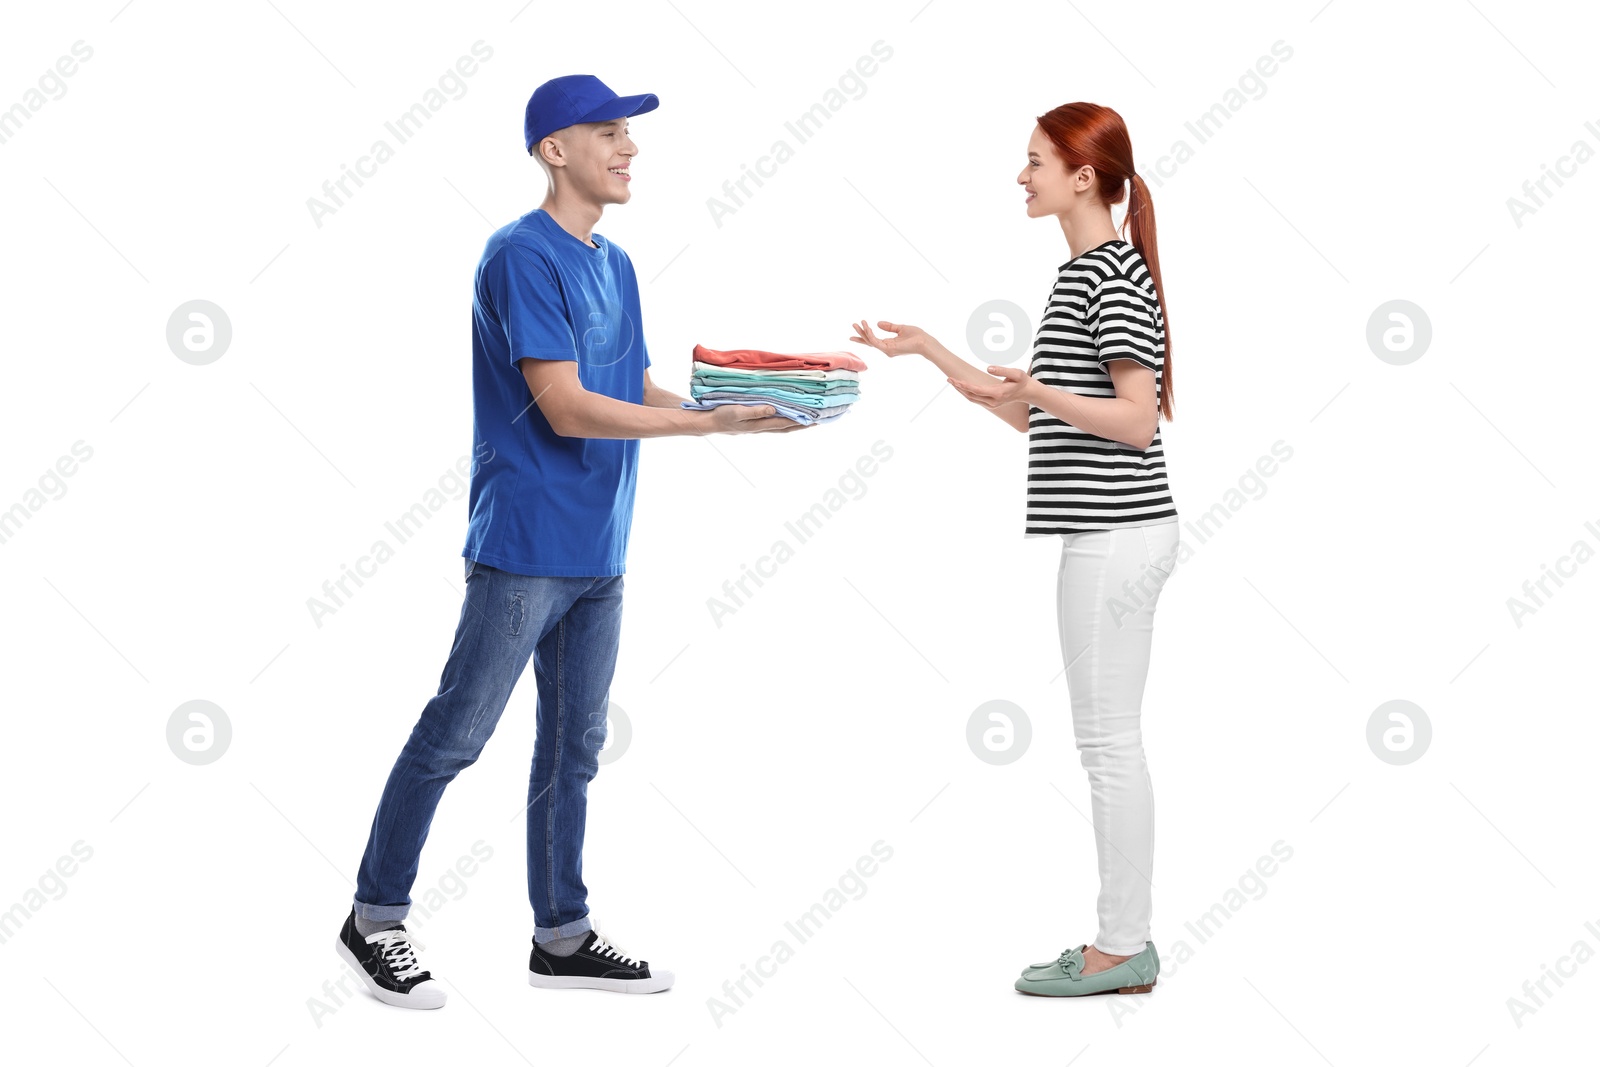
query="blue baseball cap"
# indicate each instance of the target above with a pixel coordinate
(574, 98)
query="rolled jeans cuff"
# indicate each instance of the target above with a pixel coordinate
(382, 912)
(543, 934)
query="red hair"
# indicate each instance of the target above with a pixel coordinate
(1087, 134)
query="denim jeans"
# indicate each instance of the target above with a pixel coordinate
(570, 627)
(1108, 585)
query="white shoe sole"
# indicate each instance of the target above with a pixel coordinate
(399, 1000)
(654, 984)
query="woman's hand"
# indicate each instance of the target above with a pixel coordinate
(1013, 386)
(907, 340)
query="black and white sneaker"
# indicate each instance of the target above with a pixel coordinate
(387, 962)
(597, 964)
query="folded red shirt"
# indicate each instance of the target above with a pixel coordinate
(755, 359)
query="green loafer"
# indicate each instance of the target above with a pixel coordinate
(1064, 977)
(1080, 948)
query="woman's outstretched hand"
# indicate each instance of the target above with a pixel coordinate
(1011, 386)
(907, 340)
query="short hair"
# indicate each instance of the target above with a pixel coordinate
(549, 171)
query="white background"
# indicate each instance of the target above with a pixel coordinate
(829, 711)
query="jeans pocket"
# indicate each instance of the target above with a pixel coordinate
(1160, 546)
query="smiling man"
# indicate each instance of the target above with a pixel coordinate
(561, 395)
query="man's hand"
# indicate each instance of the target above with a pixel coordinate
(572, 411)
(752, 418)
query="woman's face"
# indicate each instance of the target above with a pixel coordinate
(1044, 178)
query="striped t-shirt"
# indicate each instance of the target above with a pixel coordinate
(1103, 307)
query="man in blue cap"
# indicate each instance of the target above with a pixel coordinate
(561, 395)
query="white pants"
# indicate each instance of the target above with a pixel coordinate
(1108, 586)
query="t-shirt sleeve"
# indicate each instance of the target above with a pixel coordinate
(530, 305)
(1121, 318)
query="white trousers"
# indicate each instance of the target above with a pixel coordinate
(1107, 590)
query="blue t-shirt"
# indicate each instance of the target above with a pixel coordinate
(540, 503)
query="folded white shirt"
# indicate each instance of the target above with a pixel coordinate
(844, 374)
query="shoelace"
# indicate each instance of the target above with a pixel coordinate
(398, 953)
(603, 947)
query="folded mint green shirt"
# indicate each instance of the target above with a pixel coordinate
(764, 392)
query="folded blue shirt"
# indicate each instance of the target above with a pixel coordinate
(809, 400)
(796, 412)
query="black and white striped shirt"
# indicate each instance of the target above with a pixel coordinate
(1103, 307)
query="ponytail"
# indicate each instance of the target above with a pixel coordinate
(1089, 134)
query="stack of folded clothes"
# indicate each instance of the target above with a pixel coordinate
(808, 387)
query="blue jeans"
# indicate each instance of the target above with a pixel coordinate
(570, 626)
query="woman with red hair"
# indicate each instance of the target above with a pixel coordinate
(1090, 402)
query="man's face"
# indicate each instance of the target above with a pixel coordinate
(597, 156)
